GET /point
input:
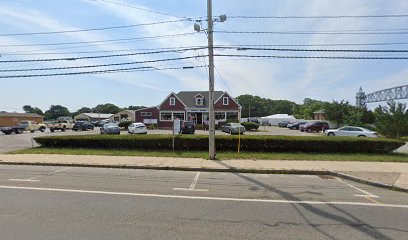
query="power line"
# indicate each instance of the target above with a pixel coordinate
(318, 45)
(98, 65)
(133, 69)
(94, 57)
(320, 17)
(139, 8)
(101, 41)
(90, 29)
(312, 32)
(320, 50)
(312, 57)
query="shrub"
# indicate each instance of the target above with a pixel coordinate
(199, 126)
(404, 139)
(125, 124)
(250, 126)
(249, 143)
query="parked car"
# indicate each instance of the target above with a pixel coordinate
(187, 127)
(316, 126)
(137, 128)
(15, 129)
(110, 128)
(82, 126)
(60, 125)
(283, 123)
(32, 126)
(351, 131)
(233, 128)
(296, 125)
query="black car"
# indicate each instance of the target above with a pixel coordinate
(296, 125)
(82, 126)
(187, 127)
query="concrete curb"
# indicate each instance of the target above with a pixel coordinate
(231, 170)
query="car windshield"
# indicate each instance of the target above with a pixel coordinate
(110, 125)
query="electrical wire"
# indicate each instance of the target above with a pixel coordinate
(90, 29)
(138, 8)
(99, 65)
(93, 57)
(313, 32)
(321, 50)
(101, 41)
(320, 17)
(313, 57)
(133, 69)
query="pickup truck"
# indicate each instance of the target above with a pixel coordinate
(33, 126)
(10, 130)
(60, 125)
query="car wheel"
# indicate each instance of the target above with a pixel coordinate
(52, 129)
(331, 134)
(31, 131)
(63, 129)
(19, 131)
(42, 129)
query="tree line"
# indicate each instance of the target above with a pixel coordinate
(56, 111)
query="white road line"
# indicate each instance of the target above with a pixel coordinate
(366, 194)
(192, 186)
(22, 180)
(203, 198)
(33, 179)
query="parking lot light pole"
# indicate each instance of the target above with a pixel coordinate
(211, 133)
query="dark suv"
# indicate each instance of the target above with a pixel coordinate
(314, 126)
(187, 127)
(83, 126)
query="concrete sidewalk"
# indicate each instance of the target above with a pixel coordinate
(384, 174)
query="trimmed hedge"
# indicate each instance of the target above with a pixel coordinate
(225, 143)
(250, 126)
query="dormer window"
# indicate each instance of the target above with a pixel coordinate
(225, 101)
(199, 100)
(172, 101)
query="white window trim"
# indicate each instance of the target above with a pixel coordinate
(160, 118)
(146, 114)
(223, 101)
(172, 101)
(202, 101)
(172, 115)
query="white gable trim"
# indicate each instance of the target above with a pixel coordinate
(175, 95)
(223, 95)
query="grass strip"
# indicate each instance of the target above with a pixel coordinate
(222, 155)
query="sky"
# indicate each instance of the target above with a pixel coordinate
(165, 54)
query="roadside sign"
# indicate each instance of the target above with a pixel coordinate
(176, 126)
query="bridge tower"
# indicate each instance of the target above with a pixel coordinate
(361, 99)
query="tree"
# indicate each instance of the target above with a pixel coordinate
(56, 111)
(392, 121)
(106, 108)
(29, 109)
(131, 107)
(256, 106)
(82, 110)
(337, 111)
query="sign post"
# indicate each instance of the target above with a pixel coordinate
(176, 129)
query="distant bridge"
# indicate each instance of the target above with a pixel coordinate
(388, 94)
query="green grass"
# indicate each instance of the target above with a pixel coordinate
(391, 157)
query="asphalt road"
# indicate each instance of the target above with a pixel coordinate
(93, 203)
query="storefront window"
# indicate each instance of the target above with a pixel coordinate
(232, 116)
(178, 116)
(165, 116)
(220, 116)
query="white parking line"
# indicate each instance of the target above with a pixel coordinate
(363, 204)
(192, 186)
(34, 179)
(366, 194)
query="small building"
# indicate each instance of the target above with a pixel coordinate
(122, 116)
(13, 119)
(92, 117)
(319, 115)
(190, 106)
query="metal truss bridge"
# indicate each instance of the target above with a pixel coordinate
(388, 94)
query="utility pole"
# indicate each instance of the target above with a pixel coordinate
(211, 135)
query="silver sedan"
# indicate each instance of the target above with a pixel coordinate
(110, 128)
(233, 128)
